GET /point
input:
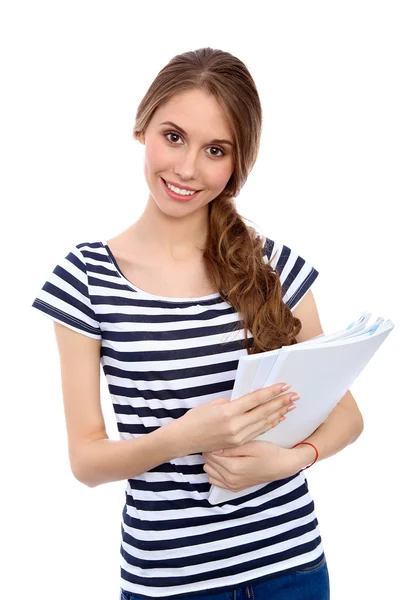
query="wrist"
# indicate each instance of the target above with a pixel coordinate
(173, 440)
(304, 455)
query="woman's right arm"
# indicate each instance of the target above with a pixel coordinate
(94, 458)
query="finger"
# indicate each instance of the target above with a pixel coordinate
(267, 426)
(263, 417)
(255, 430)
(275, 417)
(215, 478)
(213, 459)
(277, 404)
(253, 399)
(212, 472)
(220, 469)
(218, 483)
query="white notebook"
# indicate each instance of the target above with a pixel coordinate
(320, 370)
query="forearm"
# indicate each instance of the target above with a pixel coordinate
(105, 460)
(341, 428)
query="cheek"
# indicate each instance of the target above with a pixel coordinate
(154, 156)
(222, 176)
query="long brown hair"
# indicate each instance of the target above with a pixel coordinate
(234, 251)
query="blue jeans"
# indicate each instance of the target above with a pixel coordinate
(302, 584)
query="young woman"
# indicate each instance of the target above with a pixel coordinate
(167, 307)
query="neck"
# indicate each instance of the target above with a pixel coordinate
(175, 238)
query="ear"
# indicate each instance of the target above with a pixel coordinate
(140, 137)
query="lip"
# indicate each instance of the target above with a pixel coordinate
(181, 187)
(174, 196)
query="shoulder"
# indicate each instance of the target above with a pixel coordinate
(82, 248)
(87, 247)
(65, 294)
(275, 252)
(83, 253)
(295, 272)
(74, 266)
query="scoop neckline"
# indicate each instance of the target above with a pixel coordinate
(137, 289)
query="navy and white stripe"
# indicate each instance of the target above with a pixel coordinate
(162, 356)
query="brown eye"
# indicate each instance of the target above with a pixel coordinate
(219, 149)
(177, 135)
(173, 134)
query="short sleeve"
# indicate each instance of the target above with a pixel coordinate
(296, 275)
(65, 296)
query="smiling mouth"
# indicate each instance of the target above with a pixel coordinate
(180, 187)
(180, 197)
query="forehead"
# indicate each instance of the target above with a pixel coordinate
(196, 112)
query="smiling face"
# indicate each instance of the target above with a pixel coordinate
(187, 144)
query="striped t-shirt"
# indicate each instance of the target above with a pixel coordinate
(162, 356)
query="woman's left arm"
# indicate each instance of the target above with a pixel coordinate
(345, 423)
(259, 462)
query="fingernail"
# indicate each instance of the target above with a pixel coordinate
(291, 406)
(294, 397)
(284, 388)
(282, 418)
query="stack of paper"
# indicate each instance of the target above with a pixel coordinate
(320, 370)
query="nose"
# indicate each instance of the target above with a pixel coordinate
(186, 165)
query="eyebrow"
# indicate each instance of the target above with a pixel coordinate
(175, 126)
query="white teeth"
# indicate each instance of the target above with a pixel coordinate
(179, 191)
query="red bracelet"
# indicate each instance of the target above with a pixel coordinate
(316, 454)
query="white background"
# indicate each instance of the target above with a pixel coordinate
(326, 183)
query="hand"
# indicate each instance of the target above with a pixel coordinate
(253, 463)
(223, 424)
